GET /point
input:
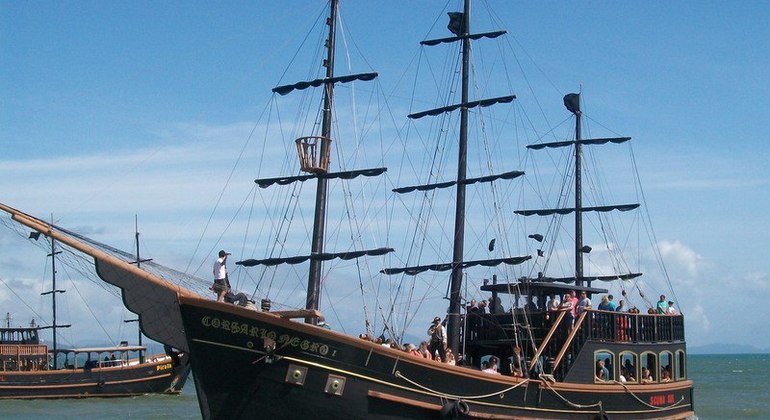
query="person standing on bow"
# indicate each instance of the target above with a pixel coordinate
(437, 339)
(221, 282)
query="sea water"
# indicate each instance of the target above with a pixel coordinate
(726, 387)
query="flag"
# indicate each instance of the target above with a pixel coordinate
(572, 102)
(456, 20)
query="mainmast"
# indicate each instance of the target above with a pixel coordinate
(459, 25)
(453, 322)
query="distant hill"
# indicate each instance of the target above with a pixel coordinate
(723, 348)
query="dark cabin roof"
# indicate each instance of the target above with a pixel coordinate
(538, 288)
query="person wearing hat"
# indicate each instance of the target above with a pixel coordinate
(221, 283)
(671, 309)
(437, 338)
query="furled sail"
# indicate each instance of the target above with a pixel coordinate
(472, 104)
(325, 256)
(572, 279)
(469, 181)
(616, 140)
(563, 211)
(432, 42)
(448, 266)
(285, 180)
(286, 89)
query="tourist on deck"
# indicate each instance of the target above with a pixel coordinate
(671, 310)
(622, 379)
(584, 303)
(472, 307)
(566, 305)
(492, 366)
(662, 306)
(437, 339)
(423, 350)
(450, 357)
(602, 373)
(239, 299)
(574, 301)
(552, 306)
(495, 305)
(647, 376)
(482, 307)
(665, 376)
(221, 284)
(620, 305)
(553, 303)
(517, 363)
(611, 303)
(604, 305)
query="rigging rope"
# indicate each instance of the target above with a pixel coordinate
(463, 397)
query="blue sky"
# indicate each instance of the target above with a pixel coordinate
(111, 109)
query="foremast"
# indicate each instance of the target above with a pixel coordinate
(314, 155)
(319, 218)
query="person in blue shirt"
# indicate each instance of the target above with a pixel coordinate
(613, 306)
(662, 306)
(604, 305)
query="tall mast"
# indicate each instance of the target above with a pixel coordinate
(319, 224)
(53, 293)
(578, 199)
(453, 324)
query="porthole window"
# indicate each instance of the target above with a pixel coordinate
(649, 365)
(629, 367)
(604, 368)
(680, 365)
(666, 366)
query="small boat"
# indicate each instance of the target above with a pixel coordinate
(30, 369)
(541, 363)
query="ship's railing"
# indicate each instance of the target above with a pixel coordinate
(30, 357)
(637, 328)
(23, 350)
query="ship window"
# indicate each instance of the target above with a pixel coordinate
(629, 366)
(666, 366)
(603, 367)
(680, 365)
(649, 364)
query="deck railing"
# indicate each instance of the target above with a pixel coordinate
(636, 328)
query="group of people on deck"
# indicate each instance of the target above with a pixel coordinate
(575, 306)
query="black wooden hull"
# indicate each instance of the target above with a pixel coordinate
(317, 373)
(160, 377)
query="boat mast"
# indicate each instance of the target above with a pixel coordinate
(453, 324)
(317, 245)
(578, 197)
(53, 293)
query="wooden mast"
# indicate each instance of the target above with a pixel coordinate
(53, 293)
(319, 223)
(453, 324)
(578, 199)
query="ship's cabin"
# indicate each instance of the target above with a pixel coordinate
(20, 350)
(596, 347)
